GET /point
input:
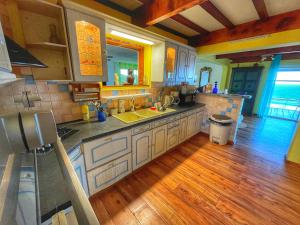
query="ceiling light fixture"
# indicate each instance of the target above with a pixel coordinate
(130, 37)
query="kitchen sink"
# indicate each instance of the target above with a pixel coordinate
(131, 117)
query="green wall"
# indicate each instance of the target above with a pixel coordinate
(294, 152)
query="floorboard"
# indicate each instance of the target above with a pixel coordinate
(203, 183)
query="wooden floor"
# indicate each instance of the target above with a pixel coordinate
(202, 183)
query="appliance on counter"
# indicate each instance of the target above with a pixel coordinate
(37, 179)
(188, 99)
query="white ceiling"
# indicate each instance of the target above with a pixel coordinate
(202, 18)
(237, 11)
(275, 7)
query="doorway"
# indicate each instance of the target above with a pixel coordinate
(245, 81)
(285, 101)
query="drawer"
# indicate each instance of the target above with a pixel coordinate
(159, 123)
(107, 174)
(106, 149)
(141, 129)
(174, 124)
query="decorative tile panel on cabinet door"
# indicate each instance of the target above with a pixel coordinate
(88, 46)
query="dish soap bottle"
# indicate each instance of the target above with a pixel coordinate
(215, 89)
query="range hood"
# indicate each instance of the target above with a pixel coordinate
(20, 56)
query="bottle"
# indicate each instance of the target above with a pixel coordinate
(215, 89)
(85, 112)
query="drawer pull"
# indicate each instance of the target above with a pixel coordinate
(108, 139)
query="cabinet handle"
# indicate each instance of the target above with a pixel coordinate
(108, 139)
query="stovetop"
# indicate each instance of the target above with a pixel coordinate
(64, 132)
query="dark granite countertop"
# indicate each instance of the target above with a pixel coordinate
(90, 130)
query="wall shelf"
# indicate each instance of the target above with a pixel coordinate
(47, 45)
(118, 97)
(40, 7)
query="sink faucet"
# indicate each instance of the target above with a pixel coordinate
(132, 107)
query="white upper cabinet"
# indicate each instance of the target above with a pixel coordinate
(88, 46)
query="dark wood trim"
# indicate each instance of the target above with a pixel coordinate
(131, 13)
(278, 23)
(271, 51)
(288, 56)
(182, 20)
(115, 6)
(261, 9)
(217, 14)
(158, 10)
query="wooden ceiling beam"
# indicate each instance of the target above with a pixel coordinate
(156, 11)
(182, 20)
(286, 56)
(217, 14)
(278, 23)
(261, 9)
(271, 51)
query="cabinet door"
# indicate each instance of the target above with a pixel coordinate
(159, 141)
(170, 63)
(190, 76)
(192, 127)
(182, 65)
(103, 150)
(4, 58)
(88, 46)
(199, 121)
(183, 129)
(141, 149)
(105, 175)
(173, 137)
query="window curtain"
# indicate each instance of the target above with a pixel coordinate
(122, 65)
(269, 87)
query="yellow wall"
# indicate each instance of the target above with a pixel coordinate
(291, 37)
(294, 152)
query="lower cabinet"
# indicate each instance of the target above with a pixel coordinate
(159, 141)
(183, 129)
(173, 137)
(141, 149)
(191, 125)
(199, 121)
(109, 173)
(77, 160)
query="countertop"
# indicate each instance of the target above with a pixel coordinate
(227, 96)
(90, 130)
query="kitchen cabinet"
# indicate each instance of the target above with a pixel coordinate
(186, 65)
(88, 46)
(77, 160)
(170, 63)
(4, 57)
(183, 129)
(199, 121)
(159, 141)
(190, 72)
(103, 150)
(183, 54)
(107, 174)
(141, 149)
(173, 134)
(192, 126)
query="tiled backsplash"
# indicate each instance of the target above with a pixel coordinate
(57, 97)
(53, 96)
